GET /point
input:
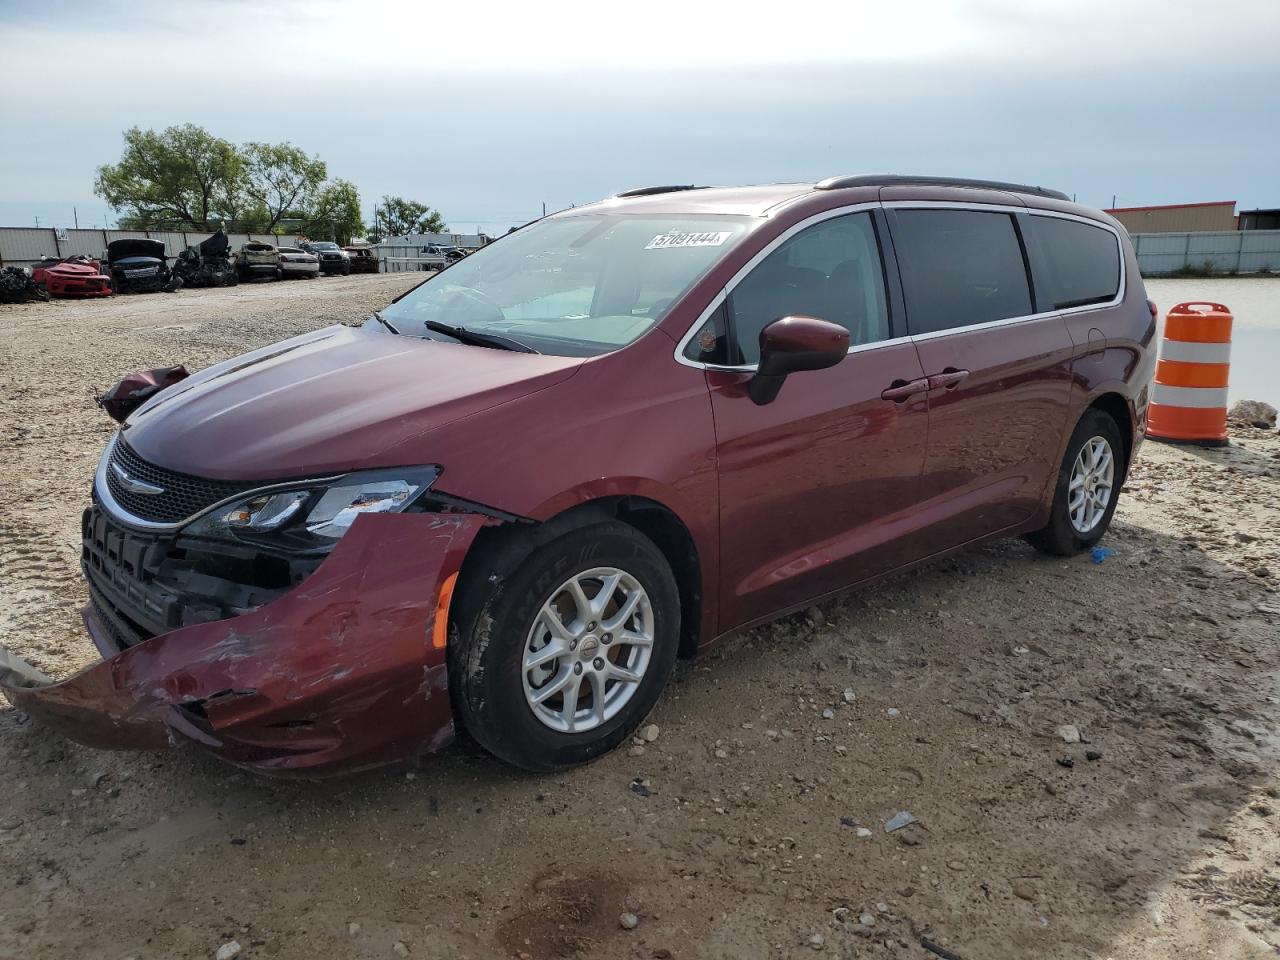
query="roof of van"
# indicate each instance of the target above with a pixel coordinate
(756, 201)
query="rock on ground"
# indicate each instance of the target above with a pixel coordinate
(1256, 413)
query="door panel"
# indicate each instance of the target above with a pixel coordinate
(995, 433)
(817, 488)
(1000, 374)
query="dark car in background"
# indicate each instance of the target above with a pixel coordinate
(208, 263)
(513, 497)
(333, 259)
(139, 265)
(363, 259)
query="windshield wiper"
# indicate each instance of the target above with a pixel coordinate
(478, 339)
(385, 322)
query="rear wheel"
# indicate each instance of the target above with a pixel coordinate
(559, 660)
(1087, 488)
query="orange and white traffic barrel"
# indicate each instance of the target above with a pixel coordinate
(1189, 396)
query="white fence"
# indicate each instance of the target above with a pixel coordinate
(1227, 251)
(22, 246)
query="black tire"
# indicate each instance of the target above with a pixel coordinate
(1060, 536)
(493, 614)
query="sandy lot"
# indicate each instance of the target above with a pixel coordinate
(1156, 837)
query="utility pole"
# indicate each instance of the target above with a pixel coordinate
(1113, 201)
(75, 215)
(544, 208)
(37, 221)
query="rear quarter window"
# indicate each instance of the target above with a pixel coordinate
(960, 268)
(1082, 262)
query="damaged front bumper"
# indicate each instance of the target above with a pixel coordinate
(343, 672)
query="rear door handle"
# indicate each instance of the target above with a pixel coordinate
(949, 378)
(900, 390)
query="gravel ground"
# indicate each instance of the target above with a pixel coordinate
(752, 825)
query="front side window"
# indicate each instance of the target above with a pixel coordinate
(831, 271)
(960, 268)
(1083, 261)
(574, 286)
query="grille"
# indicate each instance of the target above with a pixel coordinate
(183, 495)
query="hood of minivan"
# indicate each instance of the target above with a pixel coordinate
(328, 402)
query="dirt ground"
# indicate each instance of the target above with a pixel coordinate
(754, 825)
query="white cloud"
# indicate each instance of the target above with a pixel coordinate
(491, 106)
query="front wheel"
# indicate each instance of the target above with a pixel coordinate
(559, 660)
(1087, 488)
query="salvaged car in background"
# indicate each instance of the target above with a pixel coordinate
(437, 256)
(295, 262)
(16, 286)
(208, 263)
(333, 259)
(258, 260)
(139, 265)
(362, 259)
(71, 277)
(514, 496)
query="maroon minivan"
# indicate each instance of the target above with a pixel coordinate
(511, 499)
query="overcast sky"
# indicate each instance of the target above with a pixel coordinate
(487, 109)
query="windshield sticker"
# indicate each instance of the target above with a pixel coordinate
(666, 241)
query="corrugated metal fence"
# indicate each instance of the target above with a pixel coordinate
(22, 246)
(1228, 251)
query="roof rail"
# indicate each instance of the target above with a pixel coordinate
(894, 179)
(650, 191)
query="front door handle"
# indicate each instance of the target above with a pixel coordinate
(900, 390)
(949, 378)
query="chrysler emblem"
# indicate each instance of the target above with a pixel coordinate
(134, 485)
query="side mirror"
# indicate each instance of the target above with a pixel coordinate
(793, 344)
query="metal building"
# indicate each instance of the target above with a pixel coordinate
(1260, 219)
(1178, 217)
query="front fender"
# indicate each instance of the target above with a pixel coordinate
(341, 673)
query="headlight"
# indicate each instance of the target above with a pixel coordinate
(315, 516)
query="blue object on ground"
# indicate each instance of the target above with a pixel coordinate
(1101, 553)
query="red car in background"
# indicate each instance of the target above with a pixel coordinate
(78, 276)
(512, 498)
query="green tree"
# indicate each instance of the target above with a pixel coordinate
(181, 177)
(278, 178)
(334, 213)
(398, 217)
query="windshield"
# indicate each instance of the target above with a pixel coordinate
(573, 286)
(324, 246)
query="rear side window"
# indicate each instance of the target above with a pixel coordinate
(960, 268)
(1083, 262)
(831, 271)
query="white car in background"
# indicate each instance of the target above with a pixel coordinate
(295, 262)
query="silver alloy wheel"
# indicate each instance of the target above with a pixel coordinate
(1091, 484)
(588, 649)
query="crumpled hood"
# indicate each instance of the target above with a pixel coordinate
(71, 270)
(328, 401)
